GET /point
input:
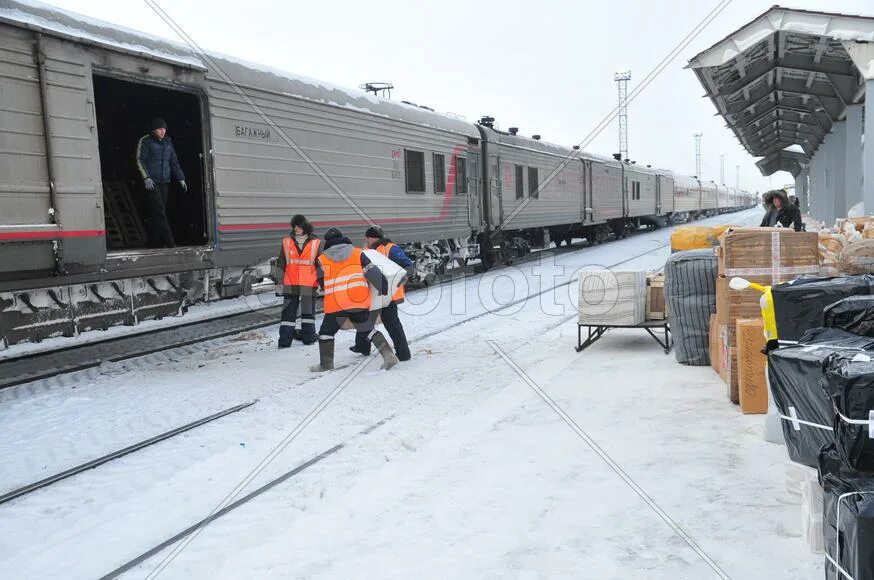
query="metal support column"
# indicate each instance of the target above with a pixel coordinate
(838, 169)
(868, 150)
(801, 191)
(854, 155)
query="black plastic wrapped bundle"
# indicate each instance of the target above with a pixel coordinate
(799, 304)
(854, 314)
(849, 381)
(848, 524)
(690, 293)
(794, 374)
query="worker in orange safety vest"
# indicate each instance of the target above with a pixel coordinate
(375, 239)
(346, 274)
(296, 270)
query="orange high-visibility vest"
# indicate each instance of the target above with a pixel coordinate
(346, 287)
(300, 267)
(384, 250)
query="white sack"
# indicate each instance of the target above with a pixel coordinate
(392, 272)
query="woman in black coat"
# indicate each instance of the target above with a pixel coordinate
(788, 214)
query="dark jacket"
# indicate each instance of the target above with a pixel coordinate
(156, 159)
(279, 271)
(339, 249)
(790, 216)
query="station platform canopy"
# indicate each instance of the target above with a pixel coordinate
(783, 80)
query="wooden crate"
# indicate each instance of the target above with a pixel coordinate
(656, 309)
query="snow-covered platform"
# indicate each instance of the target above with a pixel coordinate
(470, 474)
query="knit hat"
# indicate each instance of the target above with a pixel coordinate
(374, 232)
(158, 123)
(333, 233)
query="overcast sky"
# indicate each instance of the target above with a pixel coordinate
(545, 67)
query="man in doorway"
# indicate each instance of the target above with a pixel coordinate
(158, 165)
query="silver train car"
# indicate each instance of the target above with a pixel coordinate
(258, 145)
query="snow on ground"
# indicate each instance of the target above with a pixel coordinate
(471, 475)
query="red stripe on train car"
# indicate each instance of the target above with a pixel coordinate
(52, 235)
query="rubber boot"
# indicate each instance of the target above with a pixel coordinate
(326, 357)
(388, 356)
(362, 345)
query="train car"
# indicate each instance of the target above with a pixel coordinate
(640, 192)
(533, 190)
(724, 200)
(665, 194)
(607, 200)
(256, 146)
(709, 195)
(687, 197)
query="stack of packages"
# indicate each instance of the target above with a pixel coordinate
(823, 389)
(846, 467)
(690, 297)
(612, 298)
(765, 256)
(831, 244)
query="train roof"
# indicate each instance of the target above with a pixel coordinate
(61, 23)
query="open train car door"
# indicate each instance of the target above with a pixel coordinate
(124, 109)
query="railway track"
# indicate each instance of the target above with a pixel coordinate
(34, 366)
(62, 475)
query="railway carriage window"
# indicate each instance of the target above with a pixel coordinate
(533, 183)
(439, 173)
(415, 166)
(460, 175)
(520, 182)
(635, 190)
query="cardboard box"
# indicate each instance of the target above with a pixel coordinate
(656, 309)
(751, 382)
(763, 255)
(780, 254)
(714, 343)
(724, 355)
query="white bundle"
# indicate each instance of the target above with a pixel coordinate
(392, 272)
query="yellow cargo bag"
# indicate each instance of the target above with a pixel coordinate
(696, 237)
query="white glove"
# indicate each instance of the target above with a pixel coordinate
(150, 185)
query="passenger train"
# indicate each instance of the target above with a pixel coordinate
(258, 145)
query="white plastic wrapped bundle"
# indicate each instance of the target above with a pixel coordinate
(392, 272)
(612, 298)
(811, 512)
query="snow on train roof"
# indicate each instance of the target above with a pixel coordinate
(51, 20)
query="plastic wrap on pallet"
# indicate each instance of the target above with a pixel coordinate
(854, 314)
(848, 526)
(794, 374)
(799, 304)
(612, 298)
(849, 381)
(690, 293)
